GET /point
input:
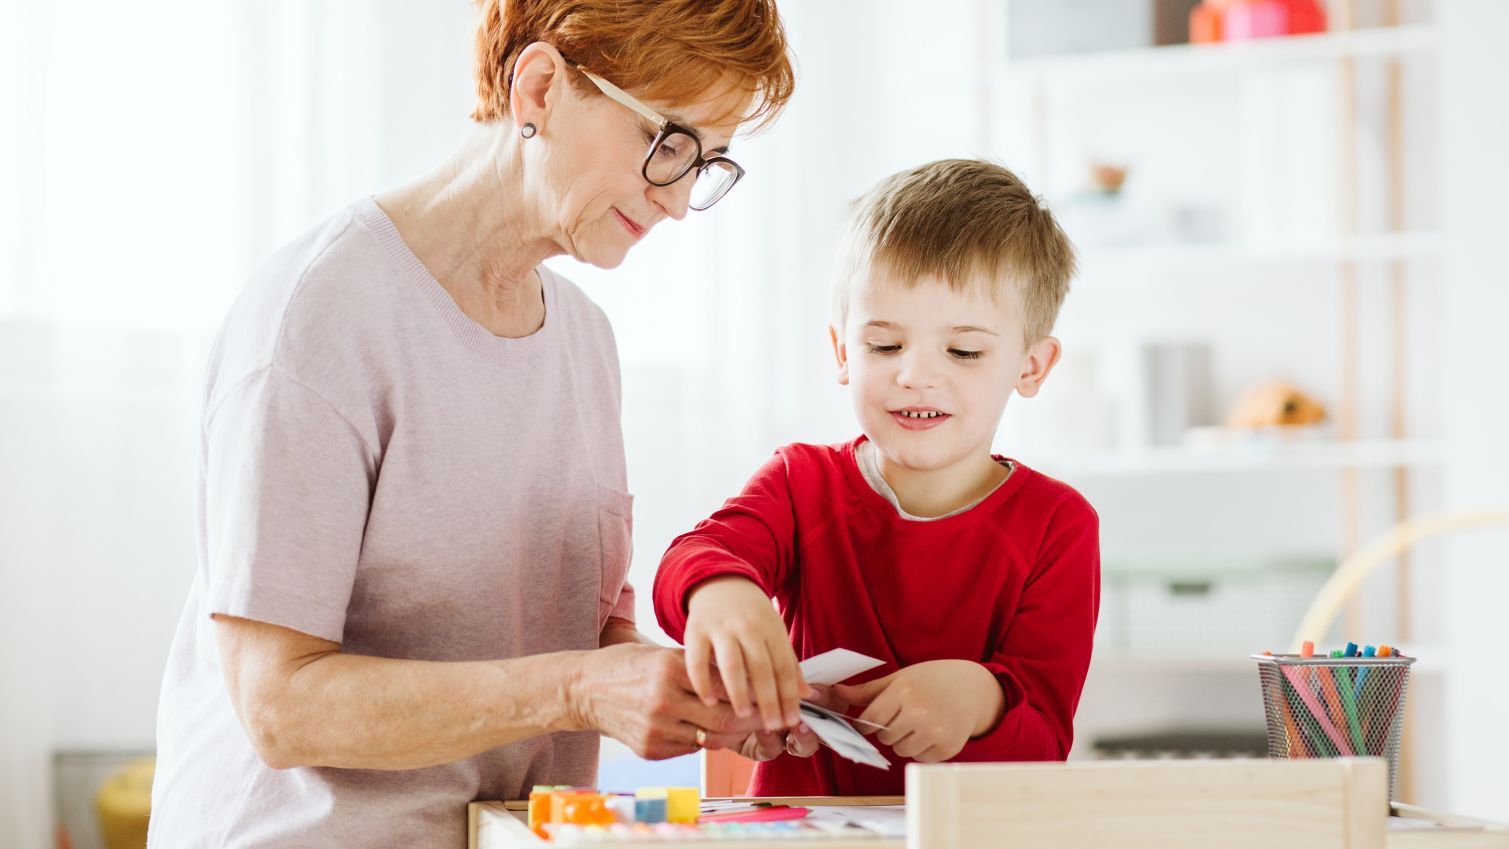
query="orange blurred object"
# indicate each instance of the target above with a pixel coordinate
(1275, 403)
(539, 810)
(586, 809)
(1205, 24)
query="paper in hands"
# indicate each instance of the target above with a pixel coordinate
(834, 729)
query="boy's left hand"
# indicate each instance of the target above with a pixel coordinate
(930, 709)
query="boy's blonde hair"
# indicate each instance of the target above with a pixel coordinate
(964, 221)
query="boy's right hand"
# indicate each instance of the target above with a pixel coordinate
(731, 622)
(762, 746)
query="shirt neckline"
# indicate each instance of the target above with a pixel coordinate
(945, 524)
(869, 469)
(464, 327)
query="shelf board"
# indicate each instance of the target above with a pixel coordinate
(1186, 258)
(1109, 661)
(1234, 56)
(1319, 455)
(1432, 660)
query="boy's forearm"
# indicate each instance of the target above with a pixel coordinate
(685, 570)
(1025, 729)
(990, 700)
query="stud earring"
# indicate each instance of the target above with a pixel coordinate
(527, 131)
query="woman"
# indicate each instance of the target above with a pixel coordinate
(413, 517)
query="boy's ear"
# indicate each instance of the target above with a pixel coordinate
(1041, 357)
(841, 354)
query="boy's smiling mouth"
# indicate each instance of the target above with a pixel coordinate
(919, 418)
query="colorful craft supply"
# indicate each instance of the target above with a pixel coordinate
(1337, 703)
(682, 804)
(1307, 694)
(650, 805)
(586, 809)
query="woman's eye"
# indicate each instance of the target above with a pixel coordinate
(666, 151)
(966, 355)
(884, 349)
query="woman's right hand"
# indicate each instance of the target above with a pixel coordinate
(641, 696)
(732, 624)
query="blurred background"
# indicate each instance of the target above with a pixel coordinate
(1286, 336)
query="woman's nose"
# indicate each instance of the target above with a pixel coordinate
(676, 198)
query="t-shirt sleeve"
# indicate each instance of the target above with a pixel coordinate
(287, 487)
(1042, 661)
(624, 607)
(753, 535)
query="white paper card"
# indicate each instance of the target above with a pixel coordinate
(841, 737)
(833, 729)
(833, 667)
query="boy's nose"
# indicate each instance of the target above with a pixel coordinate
(917, 372)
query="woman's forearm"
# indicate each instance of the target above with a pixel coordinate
(620, 631)
(357, 712)
(303, 702)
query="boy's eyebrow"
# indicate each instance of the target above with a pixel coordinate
(958, 328)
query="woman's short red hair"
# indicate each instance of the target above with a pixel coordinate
(677, 51)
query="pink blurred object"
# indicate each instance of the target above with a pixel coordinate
(1255, 19)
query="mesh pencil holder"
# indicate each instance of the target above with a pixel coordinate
(1330, 707)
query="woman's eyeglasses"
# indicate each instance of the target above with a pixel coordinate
(676, 151)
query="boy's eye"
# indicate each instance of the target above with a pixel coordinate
(966, 355)
(883, 349)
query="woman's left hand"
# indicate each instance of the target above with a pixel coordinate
(641, 696)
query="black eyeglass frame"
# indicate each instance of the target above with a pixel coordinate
(667, 128)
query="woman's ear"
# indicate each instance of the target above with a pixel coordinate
(1041, 357)
(841, 354)
(538, 75)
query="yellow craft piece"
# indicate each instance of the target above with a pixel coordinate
(682, 804)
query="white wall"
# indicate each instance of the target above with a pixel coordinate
(153, 154)
(1474, 91)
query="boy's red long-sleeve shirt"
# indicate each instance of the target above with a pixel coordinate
(1013, 584)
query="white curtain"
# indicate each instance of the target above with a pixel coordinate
(153, 153)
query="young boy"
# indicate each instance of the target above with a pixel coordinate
(975, 579)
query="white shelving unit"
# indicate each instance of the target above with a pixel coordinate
(1226, 57)
(1192, 258)
(1345, 268)
(1326, 455)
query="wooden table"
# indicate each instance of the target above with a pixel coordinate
(1229, 804)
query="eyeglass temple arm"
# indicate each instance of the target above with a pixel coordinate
(623, 97)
